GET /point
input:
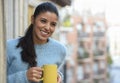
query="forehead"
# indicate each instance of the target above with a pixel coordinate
(48, 15)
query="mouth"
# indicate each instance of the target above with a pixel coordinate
(44, 32)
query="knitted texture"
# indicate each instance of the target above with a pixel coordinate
(52, 52)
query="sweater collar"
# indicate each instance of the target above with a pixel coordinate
(43, 45)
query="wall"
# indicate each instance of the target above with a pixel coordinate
(2, 45)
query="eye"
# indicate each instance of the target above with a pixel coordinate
(53, 24)
(43, 20)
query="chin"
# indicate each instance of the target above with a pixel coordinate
(43, 39)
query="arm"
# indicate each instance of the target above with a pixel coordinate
(60, 73)
(19, 77)
(59, 77)
(60, 68)
(33, 74)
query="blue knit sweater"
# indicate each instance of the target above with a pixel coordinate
(50, 53)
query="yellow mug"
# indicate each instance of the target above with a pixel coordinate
(49, 73)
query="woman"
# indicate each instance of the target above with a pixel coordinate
(26, 55)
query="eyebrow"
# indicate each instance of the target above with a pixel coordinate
(46, 19)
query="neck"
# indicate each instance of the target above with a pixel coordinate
(38, 41)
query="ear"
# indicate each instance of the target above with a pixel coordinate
(32, 19)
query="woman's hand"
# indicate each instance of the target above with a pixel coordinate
(59, 79)
(34, 74)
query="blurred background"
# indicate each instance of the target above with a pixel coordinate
(90, 29)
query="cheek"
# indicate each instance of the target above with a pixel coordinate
(52, 30)
(36, 30)
(38, 25)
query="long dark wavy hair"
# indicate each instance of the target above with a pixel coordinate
(26, 42)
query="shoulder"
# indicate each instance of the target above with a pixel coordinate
(57, 43)
(12, 43)
(58, 46)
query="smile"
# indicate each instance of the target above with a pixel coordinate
(44, 33)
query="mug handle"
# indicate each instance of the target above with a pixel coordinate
(42, 75)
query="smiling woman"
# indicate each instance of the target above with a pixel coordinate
(44, 26)
(26, 55)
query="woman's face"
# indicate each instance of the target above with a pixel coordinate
(43, 27)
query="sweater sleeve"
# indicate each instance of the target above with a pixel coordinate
(59, 70)
(19, 77)
(63, 60)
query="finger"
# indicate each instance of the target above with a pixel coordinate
(35, 79)
(37, 68)
(37, 76)
(59, 80)
(37, 72)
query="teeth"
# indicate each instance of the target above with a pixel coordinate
(44, 32)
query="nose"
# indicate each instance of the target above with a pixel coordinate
(47, 26)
